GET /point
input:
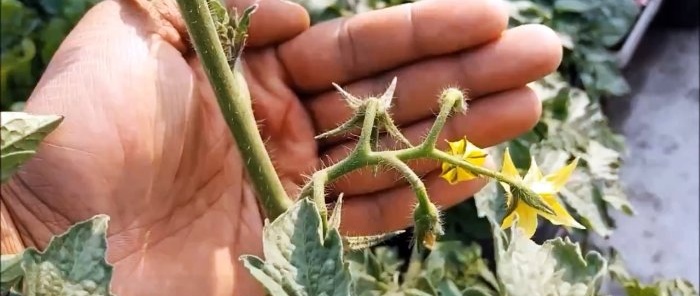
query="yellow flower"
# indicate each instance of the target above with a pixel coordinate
(546, 187)
(467, 152)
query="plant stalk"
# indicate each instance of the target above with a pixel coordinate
(234, 101)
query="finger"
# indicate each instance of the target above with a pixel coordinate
(346, 49)
(521, 55)
(274, 22)
(489, 121)
(392, 210)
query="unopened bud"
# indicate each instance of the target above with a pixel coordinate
(454, 97)
(427, 224)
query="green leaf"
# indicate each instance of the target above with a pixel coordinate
(52, 35)
(72, 264)
(633, 287)
(490, 202)
(11, 271)
(454, 266)
(20, 136)
(576, 268)
(16, 70)
(29, 27)
(586, 200)
(529, 12)
(351, 243)
(579, 6)
(375, 272)
(16, 23)
(300, 259)
(557, 267)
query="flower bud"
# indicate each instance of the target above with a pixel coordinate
(427, 224)
(455, 98)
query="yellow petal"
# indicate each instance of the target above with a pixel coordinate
(464, 175)
(508, 168)
(458, 147)
(533, 173)
(559, 178)
(508, 221)
(450, 175)
(561, 215)
(475, 155)
(446, 166)
(527, 220)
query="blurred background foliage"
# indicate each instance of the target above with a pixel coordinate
(572, 123)
(31, 32)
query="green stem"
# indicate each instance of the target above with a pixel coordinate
(412, 178)
(319, 197)
(364, 143)
(234, 100)
(393, 130)
(438, 124)
(479, 170)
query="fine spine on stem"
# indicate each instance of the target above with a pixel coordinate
(234, 101)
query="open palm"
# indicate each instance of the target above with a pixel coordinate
(143, 140)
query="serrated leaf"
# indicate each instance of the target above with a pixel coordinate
(578, 269)
(270, 279)
(20, 136)
(557, 267)
(375, 272)
(299, 259)
(72, 264)
(633, 287)
(453, 263)
(352, 243)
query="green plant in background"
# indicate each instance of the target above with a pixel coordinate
(31, 32)
(304, 253)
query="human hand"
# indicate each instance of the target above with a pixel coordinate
(143, 139)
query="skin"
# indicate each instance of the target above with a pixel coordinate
(143, 140)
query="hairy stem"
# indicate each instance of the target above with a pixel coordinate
(438, 124)
(234, 101)
(413, 179)
(364, 143)
(319, 197)
(530, 196)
